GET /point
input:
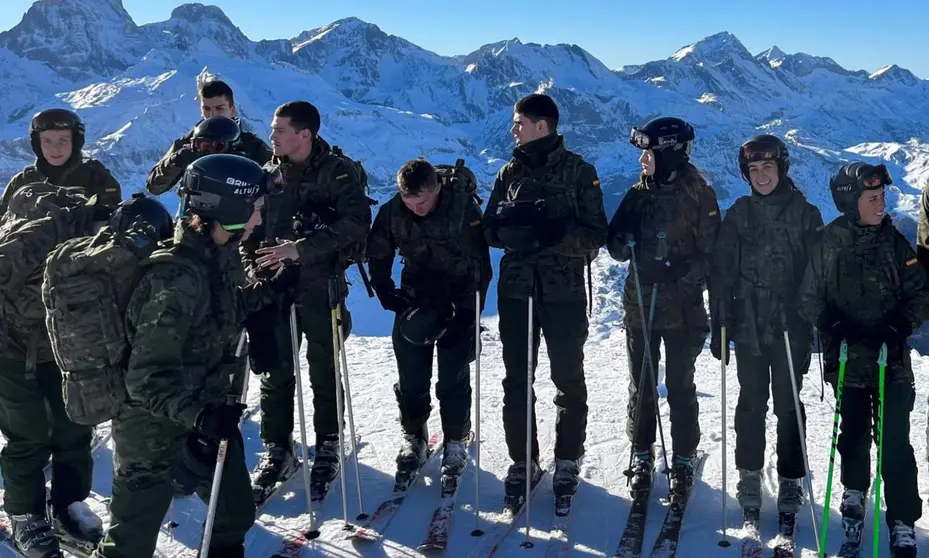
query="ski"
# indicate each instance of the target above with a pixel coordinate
(440, 524)
(852, 543)
(508, 519)
(272, 492)
(666, 545)
(784, 546)
(751, 527)
(373, 529)
(630, 544)
(559, 535)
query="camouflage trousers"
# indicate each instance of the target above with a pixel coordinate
(454, 352)
(278, 385)
(145, 448)
(36, 427)
(564, 325)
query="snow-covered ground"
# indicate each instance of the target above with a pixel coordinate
(602, 503)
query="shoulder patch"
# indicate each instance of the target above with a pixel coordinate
(911, 261)
(597, 182)
(110, 189)
(820, 228)
(476, 223)
(714, 213)
(341, 177)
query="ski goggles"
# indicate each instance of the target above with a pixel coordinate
(754, 152)
(642, 140)
(874, 177)
(210, 146)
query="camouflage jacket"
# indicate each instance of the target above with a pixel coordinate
(687, 212)
(23, 334)
(324, 183)
(183, 329)
(166, 172)
(571, 189)
(443, 252)
(89, 174)
(758, 264)
(861, 275)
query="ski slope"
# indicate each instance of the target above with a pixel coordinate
(602, 503)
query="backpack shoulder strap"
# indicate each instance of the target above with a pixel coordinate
(170, 255)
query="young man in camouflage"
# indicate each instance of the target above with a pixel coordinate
(57, 137)
(317, 183)
(216, 99)
(760, 257)
(437, 229)
(33, 418)
(546, 213)
(864, 286)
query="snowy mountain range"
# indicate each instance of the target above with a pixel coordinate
(385, 100)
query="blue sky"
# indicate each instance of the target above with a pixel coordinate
(854, 33)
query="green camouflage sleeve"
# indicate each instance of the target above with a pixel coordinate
(724, 268)
(589, 232)
(922, 229)
(707, 229)
(477, 242)
(496, 196)
(814, 226)
(106, 188)
(622, 226)
(354, 217)
(17, 182)
(914, 301)
(381, 250)
(161, 314)
(812, 298)
(165, 174)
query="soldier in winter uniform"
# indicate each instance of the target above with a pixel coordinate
(322, 192)
(33, 418)
(922, 253)
(57, 136)
(183, 320)
(437, 229)
(546, 213)
(216, 101)
(670, 218)
(864, 285)
(761, 255)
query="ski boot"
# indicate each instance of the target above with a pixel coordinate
(902, 540)
(566, 478)
(76, 526)
(411, 458)
(514, 485)
(641, 473)
(853, 515)
(326, 466)
(275, 466)
(454, 458)
(748, 490)
(33, 536)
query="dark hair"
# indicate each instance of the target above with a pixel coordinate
(415, 176)
(216, 88)
(537, 107)
(302, 115)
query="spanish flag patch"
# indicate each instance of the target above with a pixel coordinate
(713, 213)
(341, 176)
(911, 262)
(476, 223)
(821, 228)
(597, 183)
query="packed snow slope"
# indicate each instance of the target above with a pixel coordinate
(386, 100)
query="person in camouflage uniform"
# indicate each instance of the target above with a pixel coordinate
(922, 253)
(216, 100)
(57, 137)
(323, 194)
(32, 413)
(438, 232)
(864, 286)
(666, 224)
(760, 257)
(183, 321)
(546, 212)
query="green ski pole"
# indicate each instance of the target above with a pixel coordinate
(843, 358)
(882, 366)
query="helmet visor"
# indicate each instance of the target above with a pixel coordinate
(758, 151)
(875, 177)
(639, 139)
(202, 145)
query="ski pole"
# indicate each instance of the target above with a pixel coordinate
(339, 394)
(724, 343)
(530, 353)
(802, 431)
(843, 358)
(882, 366)
(295, 349)
(220, 463)
(477, 413)
(351, 421)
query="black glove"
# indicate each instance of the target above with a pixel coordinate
(184, 157)
(716, 346)
(220, 422)
(839, 328)
(893, 331)
(194, 465)
(286, 281)
(393, 300)
(550, 232)
(663, 271)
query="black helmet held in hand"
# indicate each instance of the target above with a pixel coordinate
(764, 147)
(141, 212)
(425, 324)
(216, 134)
(517, 223)
(224, 188)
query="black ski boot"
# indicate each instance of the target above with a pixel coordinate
(682, 478)
(566, 478)
(852, 509)
(514, 485)
(454, 458)
(410, 459)
(326, 466)
(76, 526)
(275, 466)
(641, 474)
(33, 536)
(902, 541)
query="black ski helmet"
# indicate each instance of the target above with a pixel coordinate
(141, 212)
(424, 325)
(57, 119)
(764, 147)
(852, 180)
(215, 134)
(223, 187)
(670, 139)
(517, 224)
